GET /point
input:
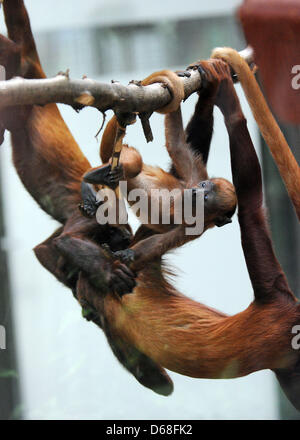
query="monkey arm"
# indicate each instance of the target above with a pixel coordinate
(183, 159)
(267, 277)
(19, 31)
(108, 140)
(200, 128)
(280, 150)
(153, 247)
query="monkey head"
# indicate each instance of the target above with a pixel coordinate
(219, 201)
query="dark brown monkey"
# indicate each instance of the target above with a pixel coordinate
(188, 172)
(50, 165)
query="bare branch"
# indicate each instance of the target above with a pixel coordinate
(88, 92)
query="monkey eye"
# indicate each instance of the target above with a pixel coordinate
(206, 197)
(203, 184)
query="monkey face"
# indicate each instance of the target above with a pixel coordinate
(205, 188)
(219, 201)
(225, 201)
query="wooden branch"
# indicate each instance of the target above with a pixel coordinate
(88, 92)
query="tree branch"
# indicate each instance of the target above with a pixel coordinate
(88, 92)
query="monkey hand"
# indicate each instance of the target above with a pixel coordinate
(209, 80)
(127, 256)
(105, 176)
(122, 279)
(226, 98)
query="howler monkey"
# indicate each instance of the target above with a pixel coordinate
(171, 329)
(189, 153)
(50, 165)
(195, 340)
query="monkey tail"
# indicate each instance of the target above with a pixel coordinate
(173, 83)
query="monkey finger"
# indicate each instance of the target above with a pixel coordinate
(118, 286)
(116, 177)
(130, 282)
(126, 270)
(203, 75)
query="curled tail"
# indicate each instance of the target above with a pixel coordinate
(280, 150)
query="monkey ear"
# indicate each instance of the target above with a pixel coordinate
(222, 221)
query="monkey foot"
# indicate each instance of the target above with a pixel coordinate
(105, 176)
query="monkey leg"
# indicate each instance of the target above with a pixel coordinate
(75, 244)
(10, 59)
(200, 127)
(19, 30)
(130, 166)
(147, 372)
(144, 369)
(54, 262)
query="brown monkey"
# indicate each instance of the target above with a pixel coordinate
(195, 340)
(282, 155)
(189, 337)
(56, 162)
(50, 164)
(188, 172)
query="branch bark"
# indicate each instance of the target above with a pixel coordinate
(88, 92)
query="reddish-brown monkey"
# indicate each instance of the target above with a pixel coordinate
(188, 172)
(280, 150)
(41, 138)
(192, 339)
(50, 165)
